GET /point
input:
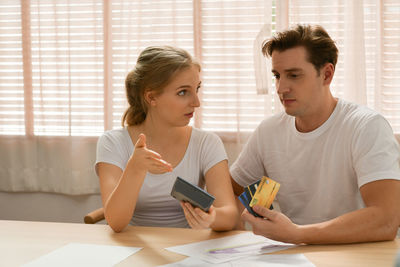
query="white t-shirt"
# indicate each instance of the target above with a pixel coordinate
(320, 172)
(155, 206)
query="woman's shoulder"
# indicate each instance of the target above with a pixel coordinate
(120, 135)
(204, 135)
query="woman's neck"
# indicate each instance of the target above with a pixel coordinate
(158, 134)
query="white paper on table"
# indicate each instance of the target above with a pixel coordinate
(281, 260)
(230, 247)
(77, 254)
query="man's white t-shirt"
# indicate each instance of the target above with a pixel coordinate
(155, 206)
(320, 172)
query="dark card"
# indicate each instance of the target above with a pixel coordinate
(187, 192)
(247, 196)
(252, 188)
(245, 203)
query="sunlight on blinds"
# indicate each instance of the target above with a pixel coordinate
(391, 63)
(11, 70)
(67, 67)
(138, 24)
(228, 31)
(63, 63)
(381, 49)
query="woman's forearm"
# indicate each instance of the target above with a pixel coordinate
(226, 218)
(120, 205)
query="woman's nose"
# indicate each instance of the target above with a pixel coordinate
(196, 101)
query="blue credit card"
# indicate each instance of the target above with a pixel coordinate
(251, 189)
(247, 196)
(245, 203)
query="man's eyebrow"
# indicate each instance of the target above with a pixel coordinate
(288, 70)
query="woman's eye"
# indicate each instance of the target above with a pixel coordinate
(182, 92)
(197, 89)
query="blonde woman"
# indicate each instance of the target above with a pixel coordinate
(138, 164)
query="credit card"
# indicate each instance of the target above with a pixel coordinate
(251, 189)
(265, 193)
(245, 203)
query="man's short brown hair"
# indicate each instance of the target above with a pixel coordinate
(320, 47)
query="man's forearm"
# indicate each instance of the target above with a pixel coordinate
(367, 224)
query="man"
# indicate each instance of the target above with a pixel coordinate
(337, 162)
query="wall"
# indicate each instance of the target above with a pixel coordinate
(52, 207)
(63, 208)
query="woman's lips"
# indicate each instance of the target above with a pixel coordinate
(189, 115)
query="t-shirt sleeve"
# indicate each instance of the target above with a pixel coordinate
(213, 152)
(110, 150)
(376, 152)
(249, 166)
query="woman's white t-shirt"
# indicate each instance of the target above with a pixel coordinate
(155, 206)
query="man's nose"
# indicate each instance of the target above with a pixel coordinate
(282, 86)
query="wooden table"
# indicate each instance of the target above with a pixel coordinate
(21, 242)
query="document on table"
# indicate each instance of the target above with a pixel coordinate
(77, 254)
(230, 248)
(281, 260)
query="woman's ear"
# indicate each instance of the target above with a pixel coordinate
(149, 97)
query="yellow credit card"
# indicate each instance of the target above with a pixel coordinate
(265, 193)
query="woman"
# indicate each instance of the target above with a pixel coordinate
(138, 164)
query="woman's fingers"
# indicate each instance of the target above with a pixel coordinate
(160, 165)
(196, 218)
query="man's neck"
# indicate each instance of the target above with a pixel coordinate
(310, 123)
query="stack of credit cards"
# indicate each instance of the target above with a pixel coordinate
(260, 193)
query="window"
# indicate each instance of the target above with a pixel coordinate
(368, 39)
(63, 64)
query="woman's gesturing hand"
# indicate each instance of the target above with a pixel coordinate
(148, 160)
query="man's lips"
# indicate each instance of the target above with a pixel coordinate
(288, 101)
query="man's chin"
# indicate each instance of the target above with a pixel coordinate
(290, 112)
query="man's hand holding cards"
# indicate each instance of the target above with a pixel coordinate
(260, 193)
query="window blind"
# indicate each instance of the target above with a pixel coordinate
(136, 25)
(67, 67)
(230, 102)
(390, 75)
(63, 64)
(381, 51)
(11, 70)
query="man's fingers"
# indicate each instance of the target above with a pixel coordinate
(264, 212)
(247, 216)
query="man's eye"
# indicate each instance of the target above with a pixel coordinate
(293, 76)
(197, 89)
(276, 76)
(182, 92)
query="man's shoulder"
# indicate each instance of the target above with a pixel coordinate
(353, 113)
